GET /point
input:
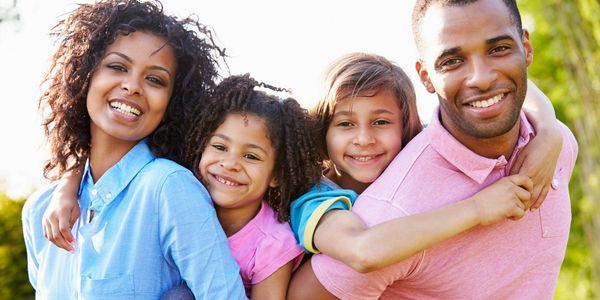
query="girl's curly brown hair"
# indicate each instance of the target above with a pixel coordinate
(82, 39)
(297, 162)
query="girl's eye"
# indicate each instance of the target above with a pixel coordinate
(218, 147)
(343, 124)
(155, 80)
(381, 122)
(251, 156)
(117, 67)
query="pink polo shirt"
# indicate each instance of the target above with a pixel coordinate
(507, 260)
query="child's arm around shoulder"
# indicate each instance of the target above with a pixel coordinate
(539, 158)
(63, 211)
(342, 235)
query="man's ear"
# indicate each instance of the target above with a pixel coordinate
(527, 47)
(424, 76)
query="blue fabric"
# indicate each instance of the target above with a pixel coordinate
(153, 228)
(303, 207)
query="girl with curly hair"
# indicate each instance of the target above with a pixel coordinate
(255, 154)
(123, 81)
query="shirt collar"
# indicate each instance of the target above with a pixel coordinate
(468, 162)
(114, 181)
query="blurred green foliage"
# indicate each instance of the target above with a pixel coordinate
(566, 41)
(14, 283)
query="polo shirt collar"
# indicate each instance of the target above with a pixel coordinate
(117, 178)
(468, 162)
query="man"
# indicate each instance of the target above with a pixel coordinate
(474, 55)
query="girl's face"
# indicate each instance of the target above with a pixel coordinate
(238, 163)
(130, 88)
(364, 135)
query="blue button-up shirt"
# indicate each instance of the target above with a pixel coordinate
(153, 228)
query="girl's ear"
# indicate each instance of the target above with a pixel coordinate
(274, 182)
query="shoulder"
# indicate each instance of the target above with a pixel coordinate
(37, 203)
(171, 181)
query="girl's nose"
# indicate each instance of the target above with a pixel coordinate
(364, 137)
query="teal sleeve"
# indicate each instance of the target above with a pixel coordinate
(307, 210)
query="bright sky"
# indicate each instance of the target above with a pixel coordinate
(285, 43)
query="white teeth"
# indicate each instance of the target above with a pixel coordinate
(362, 158)
(488, 102)
(225, 181)
(126, 109)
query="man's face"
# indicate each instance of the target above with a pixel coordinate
(474, 58)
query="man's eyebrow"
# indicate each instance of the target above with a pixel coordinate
(499, 38)
(448, 52)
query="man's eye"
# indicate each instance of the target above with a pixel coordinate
(500, 49)
(450, 62)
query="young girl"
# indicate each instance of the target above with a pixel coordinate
(123, 75)
(368, 113)
(255, 154)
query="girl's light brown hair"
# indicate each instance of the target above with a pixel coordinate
(363, 74)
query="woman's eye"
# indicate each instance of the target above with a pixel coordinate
(119, 68)
(156, 80)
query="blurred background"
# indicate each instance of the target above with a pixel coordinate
(288, 44)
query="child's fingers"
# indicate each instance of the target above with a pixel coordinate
(522, 181)
(541, 198)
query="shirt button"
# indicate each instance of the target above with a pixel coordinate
(554, 183)
(108, 196)
(94, 192)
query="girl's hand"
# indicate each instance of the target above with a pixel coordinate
(63, 211)
(538, 161)
(505, 199)
(58, 221)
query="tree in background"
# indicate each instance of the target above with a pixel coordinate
(566, 39)
(14, 283)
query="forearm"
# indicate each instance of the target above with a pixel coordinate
(368, 249)
(539, 109)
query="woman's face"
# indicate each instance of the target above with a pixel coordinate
(131, 87)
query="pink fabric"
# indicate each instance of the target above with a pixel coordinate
(507, 260)
(263, 246)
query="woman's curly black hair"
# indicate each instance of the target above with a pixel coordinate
(82, 39)
(297, 163)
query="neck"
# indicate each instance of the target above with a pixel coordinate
(234, 219)
(105, 153)
(346, 182)
(494, 147)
